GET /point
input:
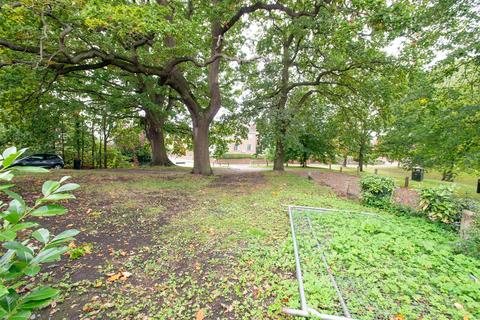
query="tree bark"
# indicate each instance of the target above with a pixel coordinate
(361, 158)
(279, 161)
(93, 145)
(447, 175)
(100, 153)
(201, 152)
(155, 123)
(345, 161)
(105, 138)
(281, 121)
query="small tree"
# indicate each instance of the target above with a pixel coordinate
(23, 255)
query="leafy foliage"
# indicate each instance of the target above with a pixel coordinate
(389, 267)
(440, 204)
(377, 191)
(25, 254)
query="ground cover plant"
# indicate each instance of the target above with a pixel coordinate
(166, 244)
(388, 266)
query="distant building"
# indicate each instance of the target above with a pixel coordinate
(248, 145)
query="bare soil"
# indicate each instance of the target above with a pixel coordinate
(346, 185)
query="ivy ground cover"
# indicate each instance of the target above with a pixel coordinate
(387, 267)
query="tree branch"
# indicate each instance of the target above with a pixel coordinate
(268, 7)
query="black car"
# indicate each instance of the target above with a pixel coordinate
(41, 160)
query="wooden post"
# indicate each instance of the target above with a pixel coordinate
(341, 169)
(478, 186)
(406, 182)
(376, 171)
(358, 171)
(329, 166)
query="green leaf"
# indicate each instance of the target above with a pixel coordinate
(49, 187)
(49, 210)
(6, 186)
(42, 235)
(7, 235)
(15, 196)
(9, 151)
(7, 176)
(9, 301)
(23, 226)
(23, 252)
(64, 178)
(41, 293)
(68, 187)
(21, 315)
(3, 290)
(66, 234)
(49, 255)
(10, 155)
(31, 270)
(30, 169)
(12, 217)
(60, 196)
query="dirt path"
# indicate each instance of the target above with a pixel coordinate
(346, 185)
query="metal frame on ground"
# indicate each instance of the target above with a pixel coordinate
(305, 310)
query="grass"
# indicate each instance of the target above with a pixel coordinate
(220, 247)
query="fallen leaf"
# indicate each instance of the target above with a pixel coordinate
(114, 277)
(200, 314)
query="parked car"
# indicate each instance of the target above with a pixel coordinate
(51, 161)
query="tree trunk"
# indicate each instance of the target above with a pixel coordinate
(93, 145)
(105, 153)
(361, 157)
(105, 138)
(62, 139)
(77, 137)
(100, 153)
(83, 143)
(281, 121)
(154, 127)
(201, 153)
(279, 161)
(345, 161)
(447, 175)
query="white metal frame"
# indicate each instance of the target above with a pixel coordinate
(305, 310)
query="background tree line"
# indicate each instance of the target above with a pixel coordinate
(84, 79)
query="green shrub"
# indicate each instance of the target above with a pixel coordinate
(79, 251)
(440, 204)
(377, 191)
(24, 251)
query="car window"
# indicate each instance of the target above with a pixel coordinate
(35, 158)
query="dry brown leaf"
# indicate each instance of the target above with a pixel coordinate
(200, 314)
(114, 277)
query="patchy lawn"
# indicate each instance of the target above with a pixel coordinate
(170, 245)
